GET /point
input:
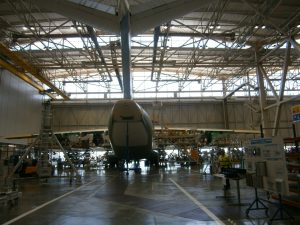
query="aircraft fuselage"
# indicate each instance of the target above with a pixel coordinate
(130, 131)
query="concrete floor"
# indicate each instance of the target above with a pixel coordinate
(172, 195)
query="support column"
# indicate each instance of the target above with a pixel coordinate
(282, 87)
(225, 114)
(225, 108)
(263, 72)
(262, 100)
(126, 56)
(155, 42)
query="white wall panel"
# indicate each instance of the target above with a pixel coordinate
(20, 106)
(198, 115)
(79, 117)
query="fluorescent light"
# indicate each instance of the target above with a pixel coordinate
(263, 27)
(298, 26)
(24, 28)
(256, 27)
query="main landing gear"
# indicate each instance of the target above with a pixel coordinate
(136, 167)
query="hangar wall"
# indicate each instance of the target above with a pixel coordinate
(202, 114)
(20, 107)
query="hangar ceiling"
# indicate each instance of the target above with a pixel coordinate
(202, 49)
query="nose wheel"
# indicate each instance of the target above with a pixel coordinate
(138, 170)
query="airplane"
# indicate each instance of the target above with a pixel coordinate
(130, 131)
(130, 128)
(131, 134)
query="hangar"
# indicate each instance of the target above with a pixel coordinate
(211, 76)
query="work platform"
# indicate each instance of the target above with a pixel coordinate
(171, 195)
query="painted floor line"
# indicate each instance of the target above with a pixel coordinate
(199, 204)
(45, 204)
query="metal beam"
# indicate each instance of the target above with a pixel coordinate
(238, 88)
(114, 57)
(285, 70)
(262, 99)
(126, 55)
(225, 113)
(263, 72)
(283, 101)
(155, 42)
(282, 87)
(24, 77)
(273, 50)
(225, 106)
(35, 72)
(162, 56)
(17, 37)
(223, 36)
(173, 64)
(215, 36)
(98, 49)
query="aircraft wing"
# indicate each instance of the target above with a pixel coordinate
(20, 136)
(156, 128)
(241, 131)
(28, 136)
(191, 137)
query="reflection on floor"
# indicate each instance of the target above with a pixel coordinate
(172, 195)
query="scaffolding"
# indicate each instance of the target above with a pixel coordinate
(42, 146)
